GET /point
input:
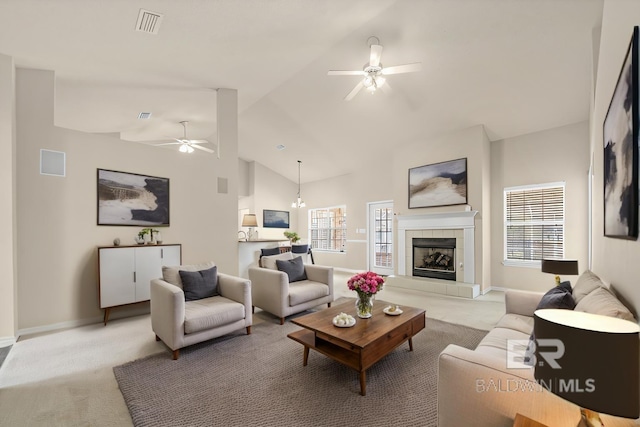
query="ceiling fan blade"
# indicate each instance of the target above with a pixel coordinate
(208, 150)
(386, 88)
(376, 52)
(198, 141)
(166, 143)
(345, 73)
(354, 92)
(399, 69)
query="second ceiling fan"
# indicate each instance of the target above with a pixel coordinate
(187, 145)
(373, 72)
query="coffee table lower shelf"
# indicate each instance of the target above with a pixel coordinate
(348, 355)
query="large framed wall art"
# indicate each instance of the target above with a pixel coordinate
(132, 199)
(439, 184)
(621, 151)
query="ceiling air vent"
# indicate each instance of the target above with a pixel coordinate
(144, 116)
(149, 22)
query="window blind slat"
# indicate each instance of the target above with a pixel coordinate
(534, 223)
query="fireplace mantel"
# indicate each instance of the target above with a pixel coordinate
(460, 220)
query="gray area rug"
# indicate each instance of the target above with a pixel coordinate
(259, 380)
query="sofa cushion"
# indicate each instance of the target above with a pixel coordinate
(170, 273)
(516, 322)
(306, 290)
(602, 301)
(199, 284)
(270, 261)
(558, 297)
(497, 339)
(587, 283)
(293, 267)
(208, 313)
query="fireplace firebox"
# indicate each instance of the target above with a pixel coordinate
(434, 258)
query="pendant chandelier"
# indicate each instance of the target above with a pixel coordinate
(298, 203)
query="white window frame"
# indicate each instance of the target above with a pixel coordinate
(342, 248)
(532, 263)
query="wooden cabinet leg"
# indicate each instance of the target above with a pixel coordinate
(106, 315)
(363, 383)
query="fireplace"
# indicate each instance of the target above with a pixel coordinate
(434, 258)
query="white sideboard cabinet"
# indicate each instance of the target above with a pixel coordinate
(125, 272)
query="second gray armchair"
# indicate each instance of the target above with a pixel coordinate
(272, 291)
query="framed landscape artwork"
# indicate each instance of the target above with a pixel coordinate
(275, 219)
(439, 184)
(621, 151)
(132, 199)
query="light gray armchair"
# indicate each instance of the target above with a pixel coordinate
(179, 323)
(272, 292)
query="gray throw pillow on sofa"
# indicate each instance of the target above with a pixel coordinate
(558, 297)
(294, 269)
(587, 283)
(199, 284)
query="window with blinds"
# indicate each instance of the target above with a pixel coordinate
(534, 222)
(328, 228)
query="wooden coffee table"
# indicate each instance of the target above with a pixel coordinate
(362, 345)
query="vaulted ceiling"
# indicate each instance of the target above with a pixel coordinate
(514, 66)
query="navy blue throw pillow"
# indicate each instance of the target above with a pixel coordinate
(199, 284)
(558, 297)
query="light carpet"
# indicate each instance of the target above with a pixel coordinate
(259, 380)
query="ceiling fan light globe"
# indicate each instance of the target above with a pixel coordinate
(380, 81)
(190, 149)
(183, 148)
(368, 82)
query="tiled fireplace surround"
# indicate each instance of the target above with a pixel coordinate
(458, 225)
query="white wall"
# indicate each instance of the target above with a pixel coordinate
(554, 155)
(615, 260)
(57, 231)
(7, 200)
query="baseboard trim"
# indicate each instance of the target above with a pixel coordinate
(57, 326)
(7, 341)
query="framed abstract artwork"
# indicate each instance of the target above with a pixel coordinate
(439, 184)
(620, 133)
(132, 199)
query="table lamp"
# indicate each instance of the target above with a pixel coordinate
(560, 266)
(249, 220)
(590, 360)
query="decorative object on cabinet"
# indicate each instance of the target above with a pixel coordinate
(249, 220)
(126, 271)
(621, 134)
(275, 219)
(132, 199)
(116, 241)
(439, 184)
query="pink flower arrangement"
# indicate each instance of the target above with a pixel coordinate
(367, 283)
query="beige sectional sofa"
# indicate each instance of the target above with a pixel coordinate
(476, 388)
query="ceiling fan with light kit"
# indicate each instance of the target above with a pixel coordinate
(189, 145)
(373, 72)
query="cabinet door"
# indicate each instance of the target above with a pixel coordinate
(117, 269)
(171, 255)
(148, 267)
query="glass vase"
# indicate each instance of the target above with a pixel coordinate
(364, 305)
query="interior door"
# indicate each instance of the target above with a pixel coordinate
(380, 237)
